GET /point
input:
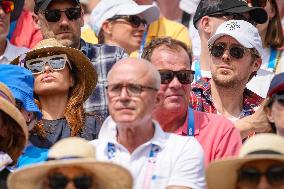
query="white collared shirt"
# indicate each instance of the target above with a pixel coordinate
(179, 160)
(11, 52)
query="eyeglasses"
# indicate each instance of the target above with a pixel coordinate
(250, 176)
(235, 16)
(258, 3)
(60, 181)
(114, 90)
(279, 98)
(7, 6)
(134, 20)
(54, 15)
(235, 51)
(184, 76)
(56, 62)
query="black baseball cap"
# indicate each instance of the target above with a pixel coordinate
(211, 7)
(43, 4)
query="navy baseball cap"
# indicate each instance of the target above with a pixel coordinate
(211, 7)
(43, 4)
(276, 85)
(21, 82)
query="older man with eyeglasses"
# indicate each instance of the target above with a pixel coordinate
(131, 138)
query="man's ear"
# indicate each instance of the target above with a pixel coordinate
(107, 27)
(269, 115)
(257, 63)
(159, 98)
(36, 20)
(205, 25)
(82, 17)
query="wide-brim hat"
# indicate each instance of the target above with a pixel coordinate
(72, 151)
(7, 105)
(260, 147)
(18, 7)
(77, 59)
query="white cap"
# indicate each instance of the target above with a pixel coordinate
(244, 32)
(189, 6)
(106, 9)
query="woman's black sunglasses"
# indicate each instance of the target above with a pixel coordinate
(54, 15)
(134, 20)
(60, 181)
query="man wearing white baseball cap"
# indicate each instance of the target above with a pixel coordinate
(235, 52)
(122, 22)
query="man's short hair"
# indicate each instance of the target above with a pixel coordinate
(167, 42)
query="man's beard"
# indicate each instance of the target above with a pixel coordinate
(229, 82)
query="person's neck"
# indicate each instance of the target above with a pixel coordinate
(227, 101)
(132, 136)
(3, 45)
(53, 107)
(170, 121)
(204, 56)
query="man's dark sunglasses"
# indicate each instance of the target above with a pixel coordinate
(54, 15)
(60, 181)
(250, 176)
(184, 76)
(134, 20)
(234, 16)
(235, 51)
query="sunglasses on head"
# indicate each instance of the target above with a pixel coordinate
(250, 176)
(54, 15)
(60, 181)
(134, 20)
(56, 62)
(7, 6)
(184, 76)
(235, 51)
(258, 3)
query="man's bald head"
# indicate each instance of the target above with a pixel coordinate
(143, 69)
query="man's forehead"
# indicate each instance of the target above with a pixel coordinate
(56, 3)
(227, 39)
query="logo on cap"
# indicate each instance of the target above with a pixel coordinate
(233, 25)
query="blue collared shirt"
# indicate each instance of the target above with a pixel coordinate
(103, 57)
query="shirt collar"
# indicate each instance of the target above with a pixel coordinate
(9, 52)
(108, 132)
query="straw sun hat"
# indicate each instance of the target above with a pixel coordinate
(222, 174)
(77, 59)
(72, 151)
(7, 105)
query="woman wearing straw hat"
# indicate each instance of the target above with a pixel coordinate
(13, 133)
(260, 165)
(64, 79)
(71, 164)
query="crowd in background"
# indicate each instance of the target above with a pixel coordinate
(132, 94)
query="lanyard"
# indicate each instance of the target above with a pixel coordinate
(151, 164)
(190, 125)
(272, 59)
(143, 42)
(197, 70)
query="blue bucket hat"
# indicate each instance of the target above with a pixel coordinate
(21, 82)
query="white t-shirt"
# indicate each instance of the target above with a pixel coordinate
(179, 160)
(260, 83)
(11, 52)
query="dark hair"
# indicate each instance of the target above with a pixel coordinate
(101, 37)
(168, 42)
(274, 34)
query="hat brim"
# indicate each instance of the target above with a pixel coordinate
(18, 7)
(16, 115)
(77, 59)
(148, 12)
(257, 14)
(108, 175)
(216, 171)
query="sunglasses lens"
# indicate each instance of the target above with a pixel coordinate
(52, 15)
(83, 182)
(217, 50)
(184, 77)
(166, 76)
(36, 66)
(248, 177)
(275, 175)
(57, 63)
(73, 13)
(135, 21)
(237, 52)
(8, 6)
(57, 181)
